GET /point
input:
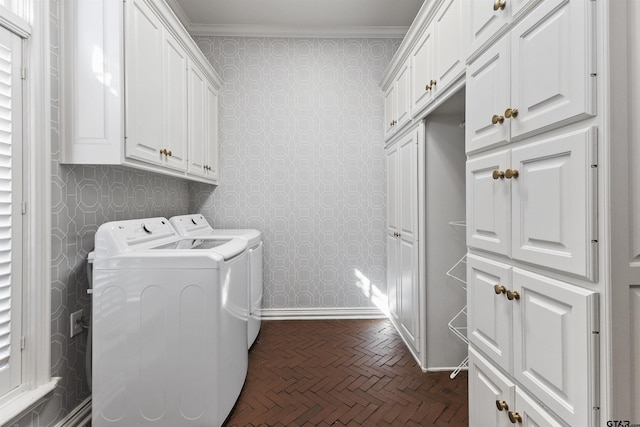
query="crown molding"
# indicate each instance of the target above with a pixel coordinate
(294, 31)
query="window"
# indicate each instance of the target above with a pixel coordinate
(10, 211)
(25, 206)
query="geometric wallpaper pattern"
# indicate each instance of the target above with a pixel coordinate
(84, 197)
(302, 159)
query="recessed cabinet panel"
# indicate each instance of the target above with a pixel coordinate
(197, 121)
(486, 387)
(487, 96)
(552, 334)
(175, 88)
(488, 204)
(408, 294)
(489, 312)
(551, 203)
(389, 111)
(485, 22)
(403, 91)
(393, 224)
(551, 63)
(392, 275)
(449, 37)
(211, 101)
(532, 414)
(408, 191)
(422, 72)
(144, 103)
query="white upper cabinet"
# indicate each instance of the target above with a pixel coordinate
(538, 77)
(422, 70)
(488, 18)
(126, 90)
(451, 41)
(396, 101)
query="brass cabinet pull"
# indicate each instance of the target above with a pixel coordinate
(511, 113)
(515, 417)
(502, 405)
(427, 87)
(497, 119)
(163, 151)
(511, 173)
(498, 174)
(499, 289)
(169, 153)
(499, 4)
(432, 83)
(511, 295)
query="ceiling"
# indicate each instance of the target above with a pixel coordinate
(297, 18)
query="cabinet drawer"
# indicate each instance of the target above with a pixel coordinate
(555, 347)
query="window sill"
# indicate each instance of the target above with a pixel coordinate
(26, 400)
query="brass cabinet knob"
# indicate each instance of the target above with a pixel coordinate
(511, 295)
(499, 289)
(511, 113)
(502, 405)
(497, 119)
(432, 83)
(427, 87)
(497, 174)
(163, 151)
(515, 417)
(169, 153)
(499, 4)
(511, 173)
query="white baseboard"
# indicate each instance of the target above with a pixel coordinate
(79, 417)
(321, 313)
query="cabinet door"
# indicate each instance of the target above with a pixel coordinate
(175, 106)
(532, 414)
(552, 59)
(487, 95)
(449, 36)
(487, 386)
(393, 228)
(489, 320)
(553, 203)
(422, 71)
(403, 93)
(389, 110)
(485, 22)
(212, 103)
(197, 121)
(144, 82)
(408, 256)
(555, 347)
(488, 204)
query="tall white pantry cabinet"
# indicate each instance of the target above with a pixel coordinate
(552, 141)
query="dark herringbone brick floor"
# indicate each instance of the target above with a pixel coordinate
(343, 373)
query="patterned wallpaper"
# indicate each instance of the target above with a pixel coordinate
(302, 159)
(84, 197)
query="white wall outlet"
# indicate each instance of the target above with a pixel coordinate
(76, 323)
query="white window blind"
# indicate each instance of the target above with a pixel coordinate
(10, 210)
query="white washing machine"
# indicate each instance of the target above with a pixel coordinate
(197, 226)
(169, 326)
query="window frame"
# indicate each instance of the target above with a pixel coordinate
(31, 21)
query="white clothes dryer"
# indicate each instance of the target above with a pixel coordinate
(169, 326)
(197, 226)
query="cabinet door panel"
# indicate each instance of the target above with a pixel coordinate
(486, 386)
(392, 275)
(389, 111)
(393, 227)
(403, 94)
(144, 83)
(551, 63)
(553, 203)
(175, 116)
(532, 414)
(211, 101)
(422, 71)
(485, 22)
(489, 314)
(488, 204)
(449, 38)
(197, 121)
(554, 344)
(487, 94)
(408, 203)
